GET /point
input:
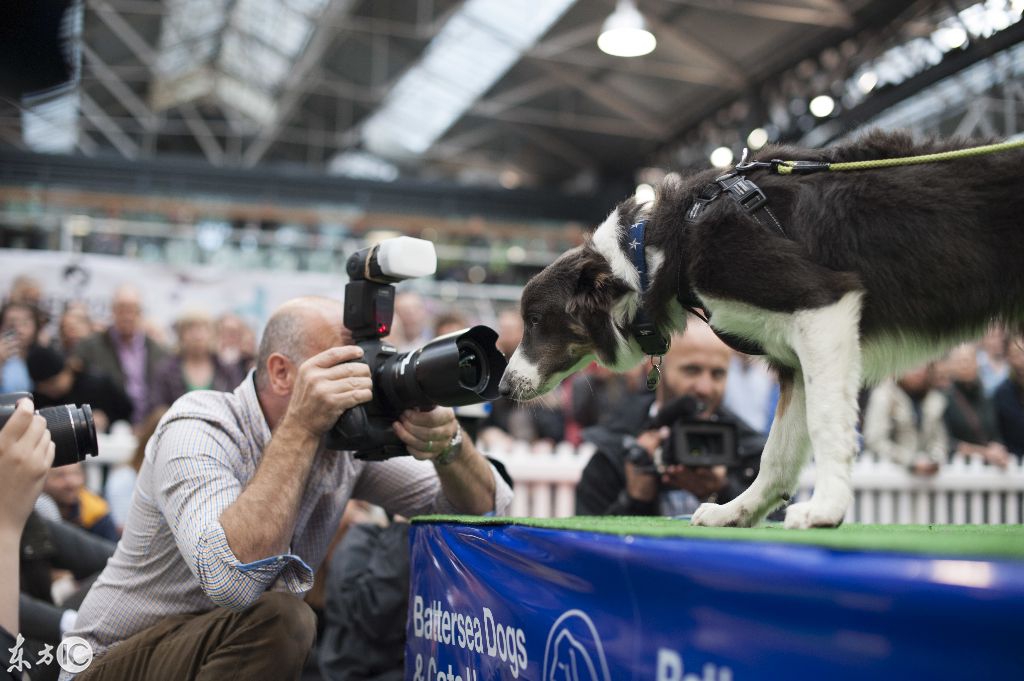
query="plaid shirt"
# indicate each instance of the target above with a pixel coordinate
(174, 556)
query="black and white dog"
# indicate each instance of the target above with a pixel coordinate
(843, 278)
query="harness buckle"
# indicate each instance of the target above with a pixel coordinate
(746, 193)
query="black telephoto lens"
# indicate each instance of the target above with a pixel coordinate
(73, 432)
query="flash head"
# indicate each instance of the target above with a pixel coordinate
(393, 260)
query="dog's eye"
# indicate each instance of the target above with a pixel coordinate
(533, 319)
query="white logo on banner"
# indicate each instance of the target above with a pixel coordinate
(573, 651)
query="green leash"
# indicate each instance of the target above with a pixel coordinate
(799, 167)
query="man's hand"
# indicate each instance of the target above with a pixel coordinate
(426, 434)
(996, 454)
(326, 386)
(640, 485)
(701, 481)
(26, 453)
(9, 347)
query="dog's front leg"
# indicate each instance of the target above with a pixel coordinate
(827, 344)
(784, 456)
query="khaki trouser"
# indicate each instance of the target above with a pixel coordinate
(268, 640)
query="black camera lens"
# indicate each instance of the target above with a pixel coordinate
(472, 367)
(73, 432)
(72, 429)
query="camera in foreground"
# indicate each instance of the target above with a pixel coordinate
(72, 428)
(457, 369)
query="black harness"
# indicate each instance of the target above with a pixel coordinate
(752, 200)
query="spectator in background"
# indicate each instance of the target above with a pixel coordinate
(992, 366)
(19, 328)
(970, 416)
(79, 506)
(57, 382)
(194, 367)
(751, 391)
(449, 322)
(413, 329)
(903, 422)
(697, 366)
(124, 351)
(74, 326)
(28, 291)
(235, 345)
(1009, 398)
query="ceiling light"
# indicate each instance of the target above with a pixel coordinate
(950, 37)
(822, 105)
(625, 33)
(867, 81)
(757, 138)
(721, 157)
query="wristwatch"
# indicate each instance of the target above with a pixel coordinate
(449, 453)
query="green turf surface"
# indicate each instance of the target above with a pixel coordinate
(1002, 541)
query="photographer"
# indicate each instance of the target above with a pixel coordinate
(622, 477)
(237, 501)
(26, 453)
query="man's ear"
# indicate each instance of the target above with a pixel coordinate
(596, 291)
(280, 374)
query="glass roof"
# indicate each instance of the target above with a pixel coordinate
(239, 51)
(475, 48)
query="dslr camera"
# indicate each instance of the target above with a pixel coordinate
(456, 369)
(691, 442)
(72, 428)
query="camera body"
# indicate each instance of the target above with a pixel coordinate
(72, 428)
(691, 441)
(457, 369)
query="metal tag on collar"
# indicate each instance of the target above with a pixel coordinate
(654, 375)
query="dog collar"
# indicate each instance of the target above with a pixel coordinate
(650, 338)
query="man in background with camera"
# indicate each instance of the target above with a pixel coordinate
(238, 499)
(636, 469)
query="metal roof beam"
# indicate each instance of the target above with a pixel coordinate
(836, 16)
(110, 129)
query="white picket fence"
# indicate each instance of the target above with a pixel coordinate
(545, 485)
(962, 492)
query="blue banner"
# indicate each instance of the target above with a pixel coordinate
(512, 602)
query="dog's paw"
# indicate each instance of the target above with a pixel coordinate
(724, 515)
(809, 514)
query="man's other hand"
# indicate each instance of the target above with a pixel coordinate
(426, 434)
(701, 481)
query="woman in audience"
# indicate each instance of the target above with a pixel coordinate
(194, 367)
(19, 329)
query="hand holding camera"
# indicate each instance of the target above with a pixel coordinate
(327, 385)
(26, 453)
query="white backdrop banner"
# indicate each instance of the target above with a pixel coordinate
(167, 291)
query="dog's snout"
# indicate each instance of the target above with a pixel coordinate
(505, 387)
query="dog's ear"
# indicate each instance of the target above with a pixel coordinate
(596, 290)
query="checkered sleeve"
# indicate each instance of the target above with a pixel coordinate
(197, 472)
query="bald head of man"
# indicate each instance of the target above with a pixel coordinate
(697, 364)
(296, 331)
(126, 310)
